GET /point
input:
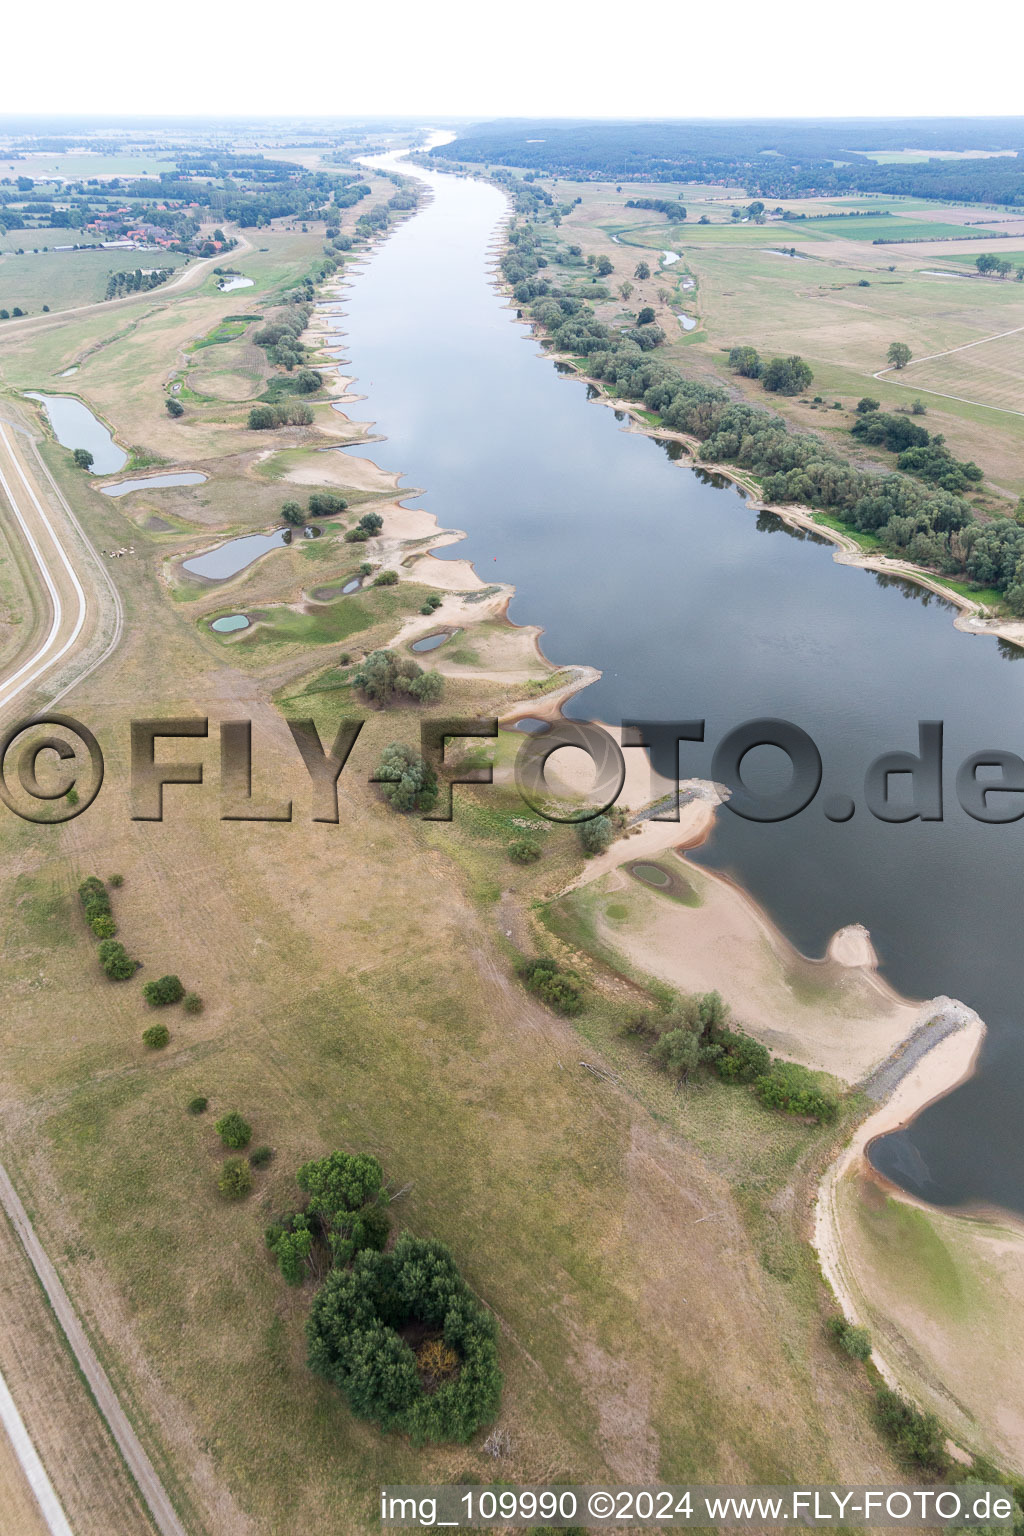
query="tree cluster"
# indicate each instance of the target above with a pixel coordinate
(781, 376)
(120, 284)
(696, 1033)
(356, 1335)
(407, 781)
(673, 211)
(292, 413)
(384, 673)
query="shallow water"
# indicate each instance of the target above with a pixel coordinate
(693, 605)
(229, 284)
(230, 558)
(153, 483)
(687, 322)
(430, 642)
(229, 623)
(75, 426)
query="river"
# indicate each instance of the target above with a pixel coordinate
(693, 605)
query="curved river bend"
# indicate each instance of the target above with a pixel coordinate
(693, 605)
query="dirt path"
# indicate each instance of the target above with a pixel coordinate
(139, 1464)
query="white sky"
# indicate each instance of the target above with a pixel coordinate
(725, 58)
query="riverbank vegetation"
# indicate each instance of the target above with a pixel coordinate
(927, 524)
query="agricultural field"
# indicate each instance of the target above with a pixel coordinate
(64, 279)
(889, 229)
(74, 167)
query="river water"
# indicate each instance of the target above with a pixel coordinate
(693, 605)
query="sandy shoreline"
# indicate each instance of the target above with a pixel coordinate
(948, 1064)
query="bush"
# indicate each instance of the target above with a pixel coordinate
(793, 1088)
(523, 850)
(595, 835)
(324, 503)
(156, 1036)
(356, 536)
(233, 1131)
(917, 1437)
(192, 1002)
(355, 1342)
(198, 1105)
(291, 1248)
(739, 1058)
(365, 568)
(165, 990)
(92, 893)
(678, 1051)
(854, 1341)
(103, 925)
(560, 989)
(235, 1179)
(293, 514)
(386, 579)
(174, 407)
(371, 523)
(83, 458)
(116, 881)
(116, 962)
(427, 688)
(260, 1156)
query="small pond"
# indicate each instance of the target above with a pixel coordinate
(668, 257)
(69, 371)
(153, 483)
(687, 322)
(230, 558)
(75, 426)
(353, 585)
(431, 642)
(230, 622)
(229, 284)
(650, 874)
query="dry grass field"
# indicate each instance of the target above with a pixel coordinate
(989, 372)
(643, 1249)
